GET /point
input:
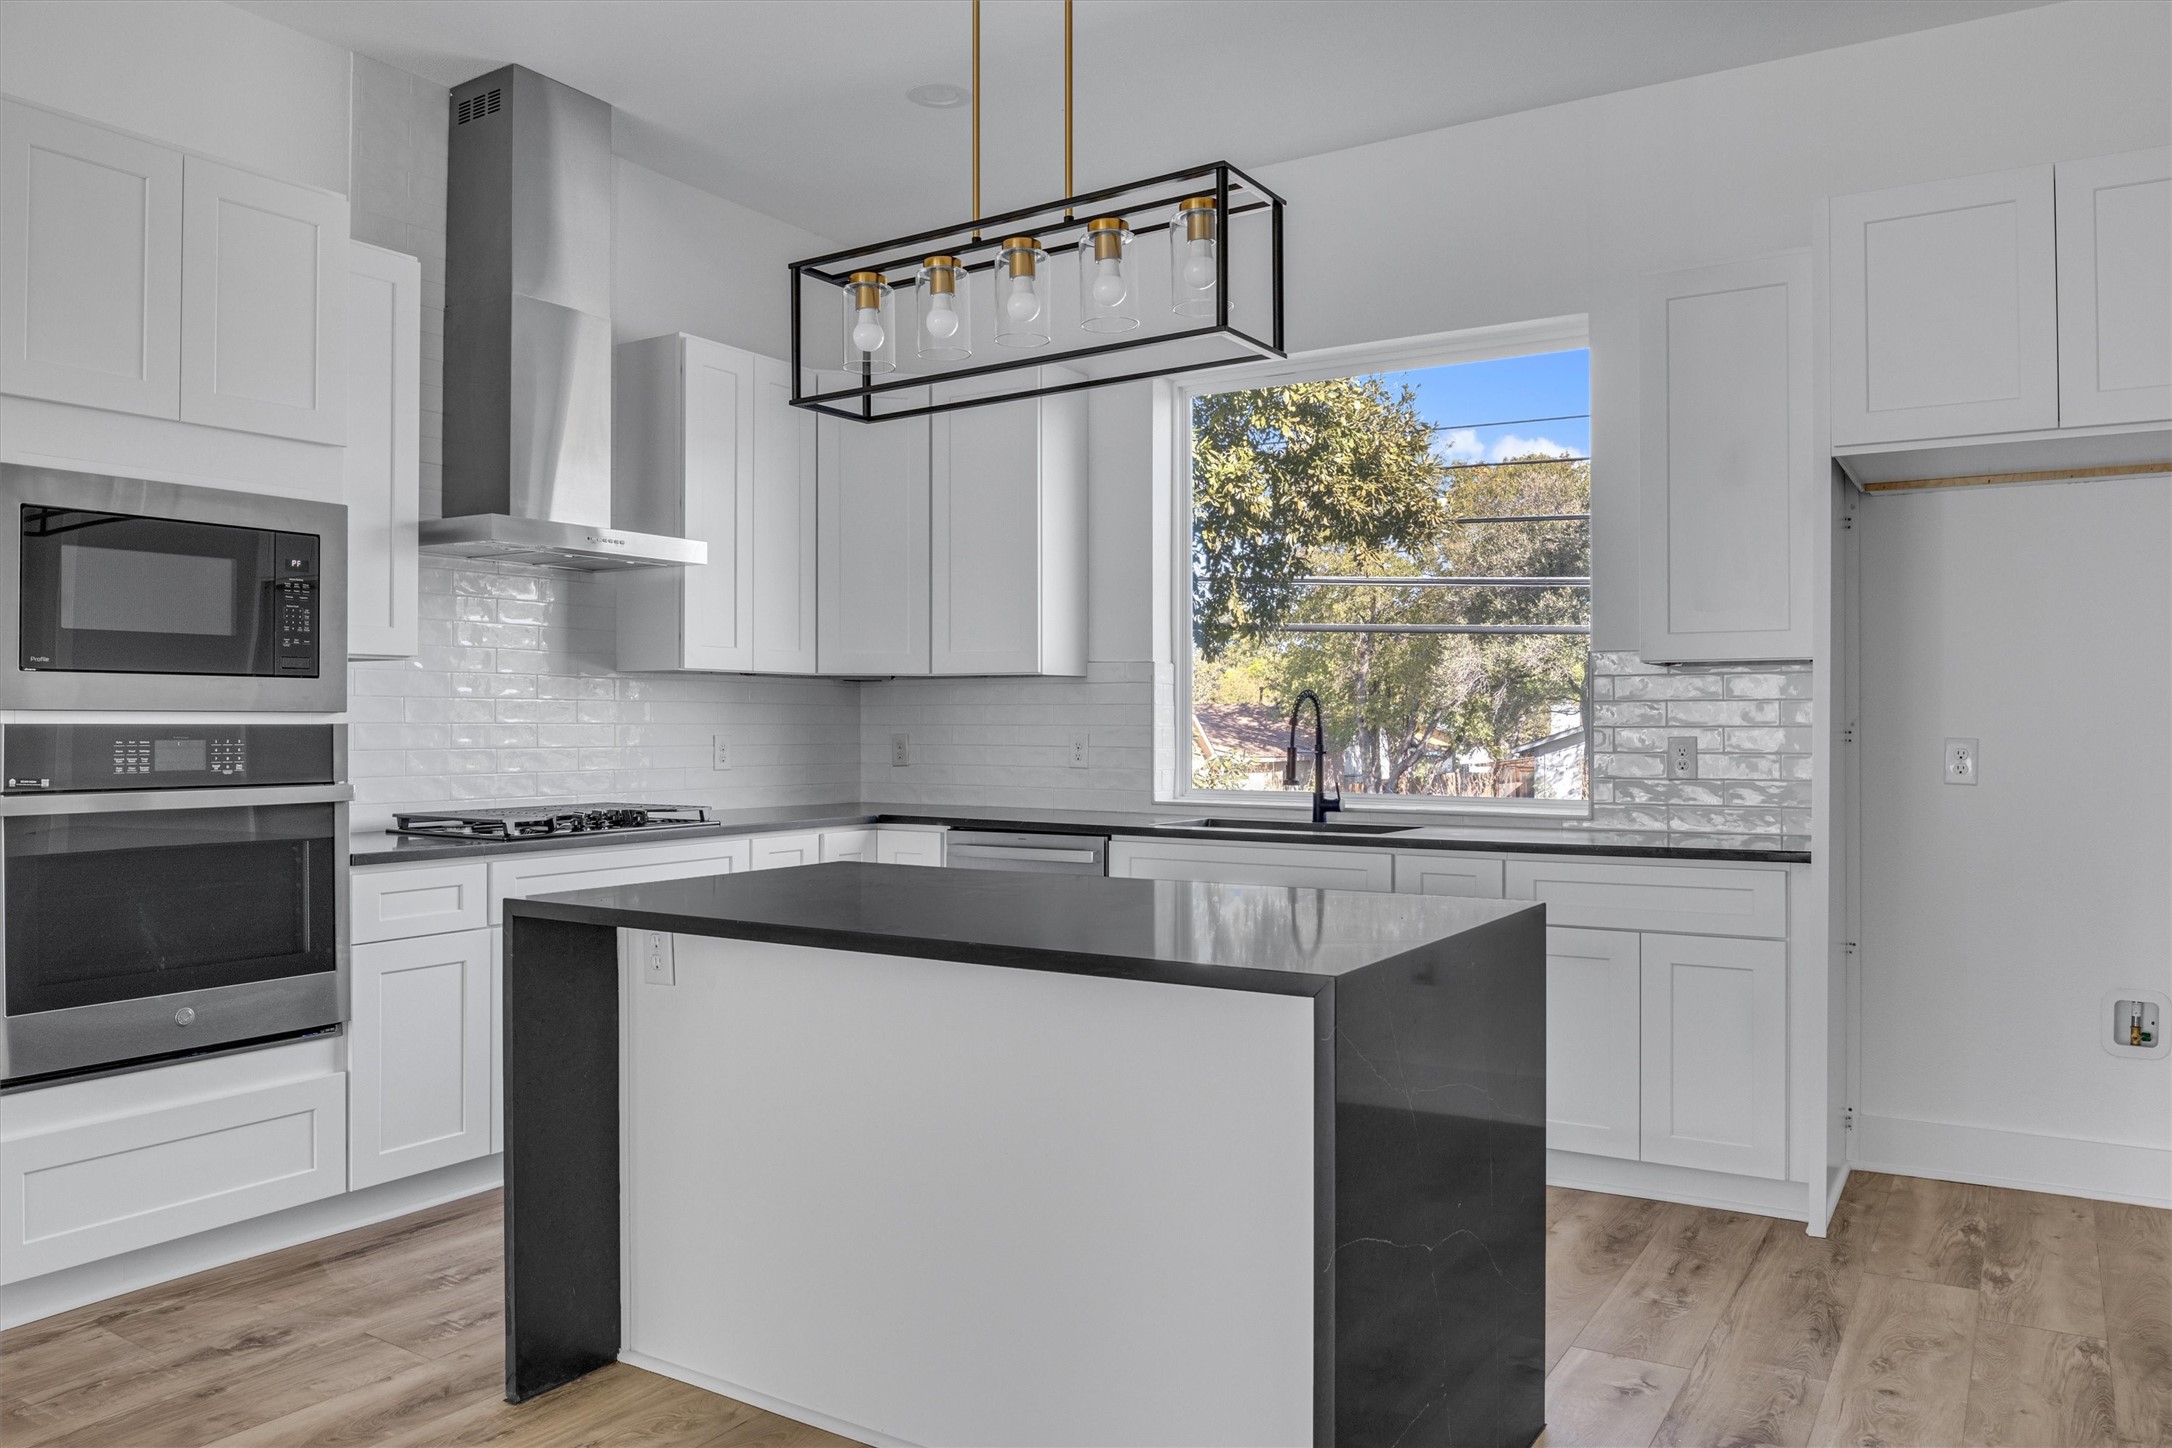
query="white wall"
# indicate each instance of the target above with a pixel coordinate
(687, 261)
(2037, 620)
(192, 73)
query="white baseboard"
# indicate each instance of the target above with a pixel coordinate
(1985, 1156)
(1690, 1186)
(858, 1433)
(74, 1287)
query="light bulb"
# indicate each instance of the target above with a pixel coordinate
(1199, 264)
(867, 330)
(1108, 282)
(942, 319)
(1023, 305)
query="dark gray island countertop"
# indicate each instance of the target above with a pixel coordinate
(1240, 937)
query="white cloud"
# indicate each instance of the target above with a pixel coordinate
(1508, 445)
(1460, 446)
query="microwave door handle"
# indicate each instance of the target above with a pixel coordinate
(123, 801)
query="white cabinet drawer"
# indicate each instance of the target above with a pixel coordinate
(781, 852)
(393, 902)
(548, 873)
(1444, 872)
(848, 845)
(95, 1188)
(908, 846)
(1248, 864)
(1686, 899)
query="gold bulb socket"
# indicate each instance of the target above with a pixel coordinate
(1020, 253)
(1107, 234)
(942, 274)
(866, 291)
(1198, 214)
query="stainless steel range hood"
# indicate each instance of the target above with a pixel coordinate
(528, 333)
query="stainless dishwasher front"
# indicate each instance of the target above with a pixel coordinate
(1034, 853)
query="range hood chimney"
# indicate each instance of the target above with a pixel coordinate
(528, 333)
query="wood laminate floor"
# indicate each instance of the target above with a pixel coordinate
(1935, 1314)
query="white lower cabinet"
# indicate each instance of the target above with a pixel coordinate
(1715, 1053)
(95, 1168)
(1331, 868)
(1594, 999)
(419, 1055)
(550, 872)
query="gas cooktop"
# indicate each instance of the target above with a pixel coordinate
(541, 821)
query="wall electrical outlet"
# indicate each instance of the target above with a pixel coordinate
(657, 967)
(1079, 744)
(722, 748)
(1682, 757)
(901, 750)
(1961, 761)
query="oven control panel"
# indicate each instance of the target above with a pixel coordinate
(72, 758)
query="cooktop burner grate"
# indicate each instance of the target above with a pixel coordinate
(541, 821)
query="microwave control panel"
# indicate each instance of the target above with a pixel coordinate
(73, 758)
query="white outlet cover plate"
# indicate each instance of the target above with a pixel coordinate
(658, 967)
(1964, 762)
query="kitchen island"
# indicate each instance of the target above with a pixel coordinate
(955, 1157)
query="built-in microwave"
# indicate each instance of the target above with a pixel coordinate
(122, 593)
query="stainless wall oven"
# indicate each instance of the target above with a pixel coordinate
(167, 888)
(124, 594)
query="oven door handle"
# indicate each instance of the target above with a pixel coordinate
(129, 801)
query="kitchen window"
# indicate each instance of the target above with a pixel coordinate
(1412, 541)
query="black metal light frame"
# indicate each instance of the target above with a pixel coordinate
(966, 240)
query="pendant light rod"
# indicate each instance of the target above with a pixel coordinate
(1068, 188)
(976, 117)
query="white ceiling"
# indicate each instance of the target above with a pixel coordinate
(798, 108)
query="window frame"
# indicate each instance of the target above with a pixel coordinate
(1174, 401)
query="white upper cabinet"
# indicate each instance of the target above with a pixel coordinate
(1008, 527)
(1729, 467)
(2115, 289)
(382, 459)
(706, 445)
(784, 525)
(1944, 310)
(873, 616)
(683, 464)
(90, 265)
(263, 304)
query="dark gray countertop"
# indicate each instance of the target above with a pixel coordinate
(1241, 937)
(388, 849)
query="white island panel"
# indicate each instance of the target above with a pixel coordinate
(970, 1204)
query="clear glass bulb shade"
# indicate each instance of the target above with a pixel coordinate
(1021, 294)
(1107, 292)
(870, 325)
(944, 303)
(1194, 267)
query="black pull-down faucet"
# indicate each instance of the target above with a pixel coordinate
(1321, 804)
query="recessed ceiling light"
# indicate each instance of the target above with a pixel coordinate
(942, 96)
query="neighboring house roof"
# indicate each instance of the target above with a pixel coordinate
(1570, 738)
(1253, 731)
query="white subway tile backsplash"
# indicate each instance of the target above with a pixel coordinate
(546, 717)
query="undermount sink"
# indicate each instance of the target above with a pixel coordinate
(1303, 827)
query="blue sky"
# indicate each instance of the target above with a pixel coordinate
(1499, 391)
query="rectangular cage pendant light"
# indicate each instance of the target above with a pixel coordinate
(1172, 274)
